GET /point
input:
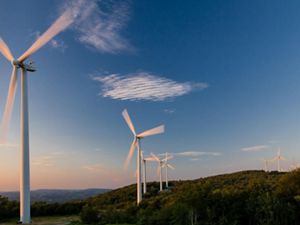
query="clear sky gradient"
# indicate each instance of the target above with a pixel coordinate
(223, 76)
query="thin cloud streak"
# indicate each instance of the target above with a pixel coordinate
(196, 153)
(99, 24)
(144, 86)
(94, 168)
(255, 148)
(58, 44)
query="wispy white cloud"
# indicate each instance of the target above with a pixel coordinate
(196, 154)
(95, 168)
(58, 44)
(100, 23)
(255, 148)
(195, 159)
(169, 111)
(48, 160)
(144, 86)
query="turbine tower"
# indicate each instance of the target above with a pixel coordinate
(59, 25)
(161, 163)
(278, 158)
(167, 165)
(266, 164)
(144, 160)
(136, 143)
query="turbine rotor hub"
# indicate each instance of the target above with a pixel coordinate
(15, 62)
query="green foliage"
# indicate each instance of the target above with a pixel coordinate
(90, 215)
(243, 198)
(8, 209)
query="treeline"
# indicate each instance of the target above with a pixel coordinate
(244, 198)
(11, 209)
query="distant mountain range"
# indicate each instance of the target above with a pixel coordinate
(56, 195)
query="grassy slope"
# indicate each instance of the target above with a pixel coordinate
(125, 196)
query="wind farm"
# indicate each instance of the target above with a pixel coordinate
(204, 95)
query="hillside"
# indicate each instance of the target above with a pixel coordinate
(241, 198)
(247, 197)
(56, 195)
(235, 181)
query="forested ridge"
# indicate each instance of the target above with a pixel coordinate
(246, 198)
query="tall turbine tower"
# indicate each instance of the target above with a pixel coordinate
(167, 165)
(266, 163)
(161, 163)
(144, 160)
(278, 158)
(60, 24)
(136, 143)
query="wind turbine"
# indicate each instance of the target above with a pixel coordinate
(162, 163)
(144, 160)
(294, 166)
(266, 163)
(159, 167)
(59, 25)
(167, 165)
(136, 143)
(278, 158)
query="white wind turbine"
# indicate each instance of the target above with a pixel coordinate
(144, 160)
(278, 158)
(60, 24)
(136, 143)
(161, 163)
(266, 164)
(159, 167)
(167, 165)
(294, 166)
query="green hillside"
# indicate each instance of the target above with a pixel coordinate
(246, 198)
(241, 198)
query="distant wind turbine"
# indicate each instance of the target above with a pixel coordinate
(136, 143)
(167, 165)
(266, 163)
(278, 158)
(158, 171)
(144, 160)
(161, 164)
(59, 25)
(294, 166)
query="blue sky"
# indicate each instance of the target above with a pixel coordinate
(222, 76)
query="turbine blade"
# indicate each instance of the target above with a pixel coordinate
(5, 50)
(168, 158)
(171, 167)
(274, 159)
(130, 153)
(9, 106)
(149, 159)
(153, 131)
(59, 25)
(155, 157)
(128, 121)
(282, 158)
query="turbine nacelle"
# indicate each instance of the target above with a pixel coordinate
(28, 67)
